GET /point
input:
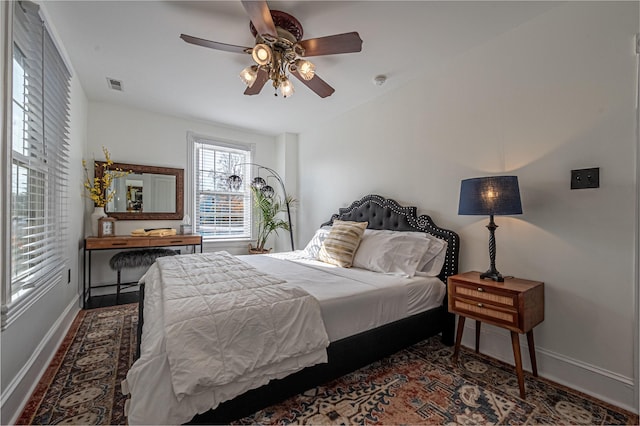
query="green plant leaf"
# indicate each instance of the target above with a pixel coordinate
(267, 212)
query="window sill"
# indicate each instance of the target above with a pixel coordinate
(12, 311)
(232, 246)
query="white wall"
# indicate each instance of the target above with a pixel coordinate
(554, 94)
(287, 157)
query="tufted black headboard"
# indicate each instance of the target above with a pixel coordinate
(384, 213)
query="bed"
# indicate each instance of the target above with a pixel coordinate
(408, 309)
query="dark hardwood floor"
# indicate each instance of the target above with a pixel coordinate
(110, 300)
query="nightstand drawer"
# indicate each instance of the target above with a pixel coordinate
(515, 304)
(485, 311)
(488, 295)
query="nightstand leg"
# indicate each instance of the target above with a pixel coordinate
(456, 349)
(532, 353)
(478, 336)
(515, 342)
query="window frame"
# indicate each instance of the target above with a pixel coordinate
(51, 160)
(191, 196)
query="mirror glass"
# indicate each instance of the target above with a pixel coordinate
(146, 193)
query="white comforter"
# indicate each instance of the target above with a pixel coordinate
(228, 326)
(351, 300)
(223, 319)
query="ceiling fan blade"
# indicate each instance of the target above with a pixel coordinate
(261, 78)
(215, 45)
(316, 84)
(260, 15)
(330, 45)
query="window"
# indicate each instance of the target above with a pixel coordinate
(39, 157)
(220, 212)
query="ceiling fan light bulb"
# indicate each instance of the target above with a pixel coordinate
(306, 69)
(286, 88)
(249, 74)
(261, 54)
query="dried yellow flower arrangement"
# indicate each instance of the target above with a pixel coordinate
(98, 190)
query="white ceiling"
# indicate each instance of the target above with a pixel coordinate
(138, 43)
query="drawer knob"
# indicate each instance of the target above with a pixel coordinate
(480, 289)
(480, 305)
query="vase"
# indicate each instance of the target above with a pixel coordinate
(98, 212)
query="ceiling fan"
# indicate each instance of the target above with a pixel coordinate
(279, 49)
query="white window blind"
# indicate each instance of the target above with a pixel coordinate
(220, 211)
(39, 155)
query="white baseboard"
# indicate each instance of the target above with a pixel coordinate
(605, 385)
(17, 392)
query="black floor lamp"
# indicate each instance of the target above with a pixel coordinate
(492, 195)
(235, 182)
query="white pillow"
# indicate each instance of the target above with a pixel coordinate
(391, 252)
(433, 260)
(313, 247)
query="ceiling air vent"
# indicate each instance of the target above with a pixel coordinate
(114, 84)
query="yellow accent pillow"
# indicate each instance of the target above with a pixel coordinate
(342, 242)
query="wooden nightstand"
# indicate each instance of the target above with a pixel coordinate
(515, 304)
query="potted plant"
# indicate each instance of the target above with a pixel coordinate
(268, 205)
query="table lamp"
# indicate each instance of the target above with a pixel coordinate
(491, 195)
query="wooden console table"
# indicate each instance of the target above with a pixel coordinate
(128, 242)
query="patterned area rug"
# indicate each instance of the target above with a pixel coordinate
(82, 384)
(418, 385)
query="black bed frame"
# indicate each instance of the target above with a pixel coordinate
(351, 353)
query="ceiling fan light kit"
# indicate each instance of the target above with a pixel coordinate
(279, 51)
(249, 75)
(286, 87)
(262, 54)
(306, 68)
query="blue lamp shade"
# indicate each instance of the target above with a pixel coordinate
(492, 195)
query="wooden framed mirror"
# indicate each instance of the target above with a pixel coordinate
(146, 193)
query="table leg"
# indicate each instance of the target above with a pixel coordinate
(478, 336)
(515, 342)
(84, 276)
(89, 278)
(456, 348)
(532, 353)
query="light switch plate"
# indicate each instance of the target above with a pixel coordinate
(585, 178)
